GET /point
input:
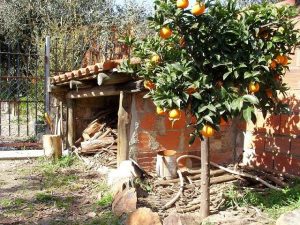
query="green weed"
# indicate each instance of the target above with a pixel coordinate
(17, 202)
(59, 202)
(106, 200)
(273, 202)
(106, 218)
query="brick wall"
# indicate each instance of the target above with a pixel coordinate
(150, 133)
(274, 143)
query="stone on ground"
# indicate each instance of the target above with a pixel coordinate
(124, 202)
(289, 218)
(143, 216)
(176, 219)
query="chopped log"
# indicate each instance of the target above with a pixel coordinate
(91, 129)
(86, 146)
(52, 145)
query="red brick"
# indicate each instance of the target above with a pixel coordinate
(139, 102)
(278, 144)
(295, 146)
(264, 160)
(145, 160)
(148, 121)
(290, 125)
(146, 154)
(293, 102)
(287, 164)
(178, 124)
(259, 143)
(144, 141)
(169, 141)
(222, 157)
(269, 125)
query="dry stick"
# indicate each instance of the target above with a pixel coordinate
(268, 176)
(233, 172)
(195, 177)
(246, 175)
(173, 200)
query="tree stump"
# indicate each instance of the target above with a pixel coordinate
(52, 145)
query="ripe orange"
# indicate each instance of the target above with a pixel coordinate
(282, 59)
(253, 87)
(182, 4)
(160, 111)
(165, 32)
(174, 114)
(155, 59)
(207, 131)
(223, 122)
(198, 8)
(269, 93)
(182, 42)
(190, 90)
(148, 84)
(273, 64)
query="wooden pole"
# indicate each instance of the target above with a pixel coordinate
(71, 123)
(123, 127)
(205, 178)
(47, 77)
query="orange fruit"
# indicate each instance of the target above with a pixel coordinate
(148, 84)
(253, 87)
(207, 131)
(165, 32)
(182, 42)
(190, 90)
(160, 111)
(155, 59)
(174, 114)
(223, 122)
(282, 59)
(182, 4)
(269, 93)
(273, 64)
(198, 8)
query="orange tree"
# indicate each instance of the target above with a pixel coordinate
(216, 61)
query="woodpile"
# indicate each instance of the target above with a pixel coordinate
(100, 137)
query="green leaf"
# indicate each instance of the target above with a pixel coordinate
(209, 119)
(251, 98)
(247, 114)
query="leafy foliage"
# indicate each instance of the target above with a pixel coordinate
(218, 55)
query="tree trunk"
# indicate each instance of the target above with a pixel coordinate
(205, 178)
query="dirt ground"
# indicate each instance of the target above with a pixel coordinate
(35, 192)
(39, 192)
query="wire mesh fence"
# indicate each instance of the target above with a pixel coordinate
(21, 92)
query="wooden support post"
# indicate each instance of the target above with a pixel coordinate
(205, 178)
(123, 126)
(70, 123)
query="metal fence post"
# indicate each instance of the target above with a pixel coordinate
(47, 76)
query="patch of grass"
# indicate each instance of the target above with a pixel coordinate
(274, 203)
(106, 200)
(105, 219)
(17, 202)
(59, 202)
